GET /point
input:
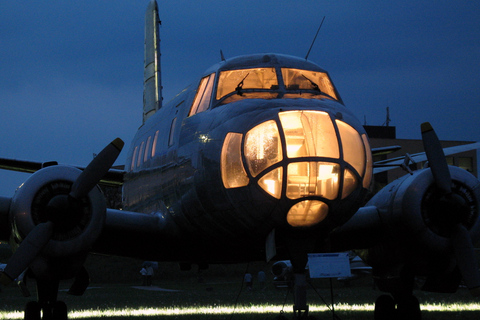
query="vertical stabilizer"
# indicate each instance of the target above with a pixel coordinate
(152, 80)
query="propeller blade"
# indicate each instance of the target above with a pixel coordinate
(465, 255)
(436, 158)
(29, 249)
(96, 169)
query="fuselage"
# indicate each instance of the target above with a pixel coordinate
(261, 142)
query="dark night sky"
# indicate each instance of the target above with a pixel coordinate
(72, 72)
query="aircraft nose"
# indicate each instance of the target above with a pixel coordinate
(298, 157)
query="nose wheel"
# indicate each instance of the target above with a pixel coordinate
(47, 307)
(298, 247)
(58, 311)
(403, 307)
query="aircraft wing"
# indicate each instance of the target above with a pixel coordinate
(385, 150)
(114, 177)
(385, 165)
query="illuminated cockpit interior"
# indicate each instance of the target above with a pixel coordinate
(299, 156)
(273, 83)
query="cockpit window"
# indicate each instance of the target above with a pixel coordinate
(239, 80)
(265, 83)
(204, 93)
(296, 80)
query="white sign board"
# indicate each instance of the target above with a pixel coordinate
(329, 265)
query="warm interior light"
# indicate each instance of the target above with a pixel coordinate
(312, 179)
(204, 93)
(352, 145)
(349, 183)
(307, 213)
(233, 172)
(255, 78)
(367, 179)
(272, 182)
(309, 134)
(262, 147)
(296, 79)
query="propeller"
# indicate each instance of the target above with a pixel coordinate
(450, 209)
(58, 208)
(436, 158)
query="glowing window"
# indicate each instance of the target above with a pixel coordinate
(296, 79)
(140, 152)
(309, 134)
(312, 179)
(352, 144)
(154, 146)
(238, 80)
(272, 182)
(233, 172)
(367, 179)
(171, 136)
(133, 158)
(262, 147)
(203, 96)
(349, 183)
(147, 149)
(307, 213)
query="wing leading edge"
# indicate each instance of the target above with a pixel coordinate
(386, 165)
(114, 177)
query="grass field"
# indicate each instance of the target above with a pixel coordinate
(222, 296)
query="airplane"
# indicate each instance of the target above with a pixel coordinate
(260, 159)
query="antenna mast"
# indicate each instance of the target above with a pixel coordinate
(321, 23)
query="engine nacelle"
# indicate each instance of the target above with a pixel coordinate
(412, 211)
(282, 268)
(73, 232)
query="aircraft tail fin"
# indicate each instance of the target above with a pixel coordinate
(152, 83)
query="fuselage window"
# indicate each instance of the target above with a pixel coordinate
(133, 158)
(147, 149)
(203, 96)
(154, 146)
(140, 152)
(171, 136)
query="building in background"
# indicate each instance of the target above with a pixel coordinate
(385, 136)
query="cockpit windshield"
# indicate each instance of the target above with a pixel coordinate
(265, 83)
(296, 79)
(239, 80)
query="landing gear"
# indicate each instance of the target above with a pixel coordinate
(298, 247)
(300, 307)
(47, 307)
(58, 311)
(407, 307)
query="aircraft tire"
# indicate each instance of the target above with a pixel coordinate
(32, 310)
(409, 308)
(384, 308)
